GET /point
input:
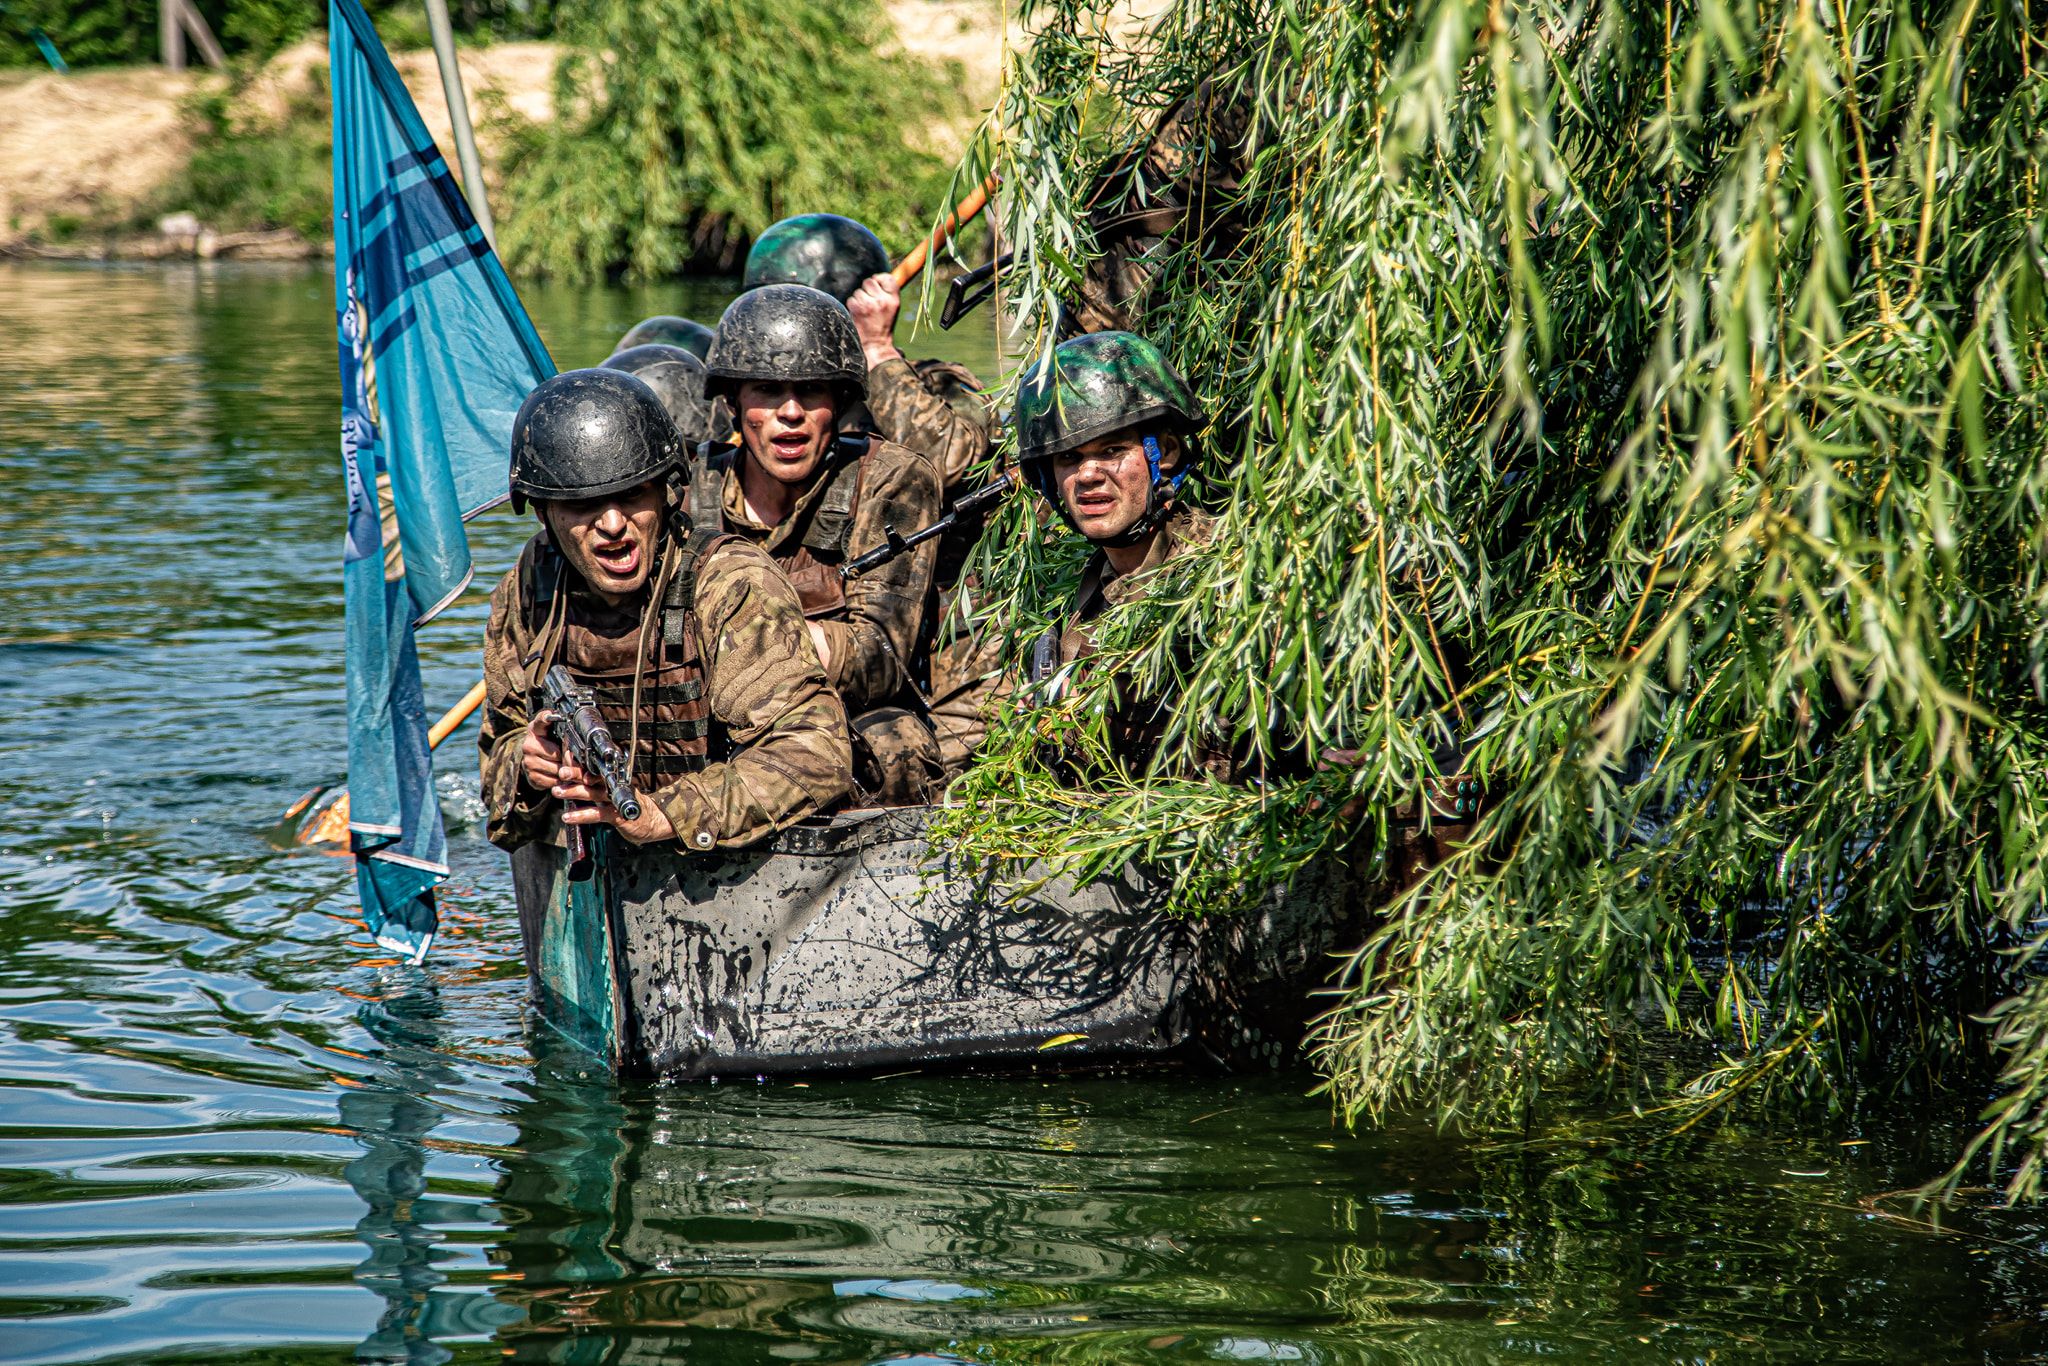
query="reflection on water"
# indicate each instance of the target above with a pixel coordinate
(231, 1131)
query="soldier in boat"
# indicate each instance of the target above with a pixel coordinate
(693, 641)
(676, 376)
(667, 329)
(1106, 435)
(814, 492)
(932, 406)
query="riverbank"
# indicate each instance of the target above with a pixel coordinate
(141, 163)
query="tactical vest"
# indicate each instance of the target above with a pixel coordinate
(820, 542)
(677, 734)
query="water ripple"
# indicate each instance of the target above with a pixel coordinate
(232, 1130)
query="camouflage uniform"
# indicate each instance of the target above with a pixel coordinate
(1190, 172)
(877, 627)
(935, 408)
(738, 726)
(1135, 724)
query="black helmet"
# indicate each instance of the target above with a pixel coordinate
(677, 378)
(791, 333)
(1097, 384)
(822, 250)
(586, 433)
(667, 328)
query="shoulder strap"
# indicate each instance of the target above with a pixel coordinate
(540, 571)
(705, 501)
(832, 521)
(679, 607)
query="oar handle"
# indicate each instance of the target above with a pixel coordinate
(331, 825)
(457, 714)
(963, 214)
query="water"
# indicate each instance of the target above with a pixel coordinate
(232, 1131)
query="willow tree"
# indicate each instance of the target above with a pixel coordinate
(684, 127)
(1648, 397)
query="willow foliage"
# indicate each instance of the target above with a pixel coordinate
(687, 126)
(1650, 395)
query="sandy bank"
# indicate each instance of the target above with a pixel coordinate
(86, 160)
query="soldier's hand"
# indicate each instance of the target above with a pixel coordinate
(874, 307)
(584, 802)
(540, 758)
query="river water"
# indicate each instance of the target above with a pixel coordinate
(232, 1131)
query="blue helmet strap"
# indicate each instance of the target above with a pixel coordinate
(1158, 501)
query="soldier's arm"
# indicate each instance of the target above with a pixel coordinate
(870, 650)
(517, 813)
(933, 411)
(791, 752)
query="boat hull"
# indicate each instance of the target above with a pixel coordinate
(850, 946)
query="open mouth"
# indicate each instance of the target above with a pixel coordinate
(1094, 505)
(793, 447)
(620, 559)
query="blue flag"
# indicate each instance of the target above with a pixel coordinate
(436, 356)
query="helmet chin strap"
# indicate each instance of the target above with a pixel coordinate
(1158, 499)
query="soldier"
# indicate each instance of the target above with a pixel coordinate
(814, 494)
(933, 406)
(669, 330)
(692, 641)
(677, 378)
(1106, 436)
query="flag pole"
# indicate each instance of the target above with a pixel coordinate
(458, 119)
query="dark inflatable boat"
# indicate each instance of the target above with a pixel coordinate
(847, 945)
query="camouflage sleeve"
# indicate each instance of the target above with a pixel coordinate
(932, 408)
(791, 752)
(516, 813)
(871, 649)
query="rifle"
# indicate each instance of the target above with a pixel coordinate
(969, 505)
(580, 728)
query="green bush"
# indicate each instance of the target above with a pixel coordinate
(117, 32)
(706, 120)
(106, 32)
(263, 175)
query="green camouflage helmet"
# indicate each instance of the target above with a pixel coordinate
(1095, 385)
(822, 250)
(1098, 384)
(669, 330)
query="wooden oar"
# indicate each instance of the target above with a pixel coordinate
(963, 213)
(331, 825)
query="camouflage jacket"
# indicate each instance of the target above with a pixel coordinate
(1185, 182)
(786, 748)
(1102, 589)
(877, 627)
(935, 408)
(1136, 724)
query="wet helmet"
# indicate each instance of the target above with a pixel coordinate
(668, 329)
(790, 333)
(822, 250)
(586, 433)
(1092, 386)
(677, 378)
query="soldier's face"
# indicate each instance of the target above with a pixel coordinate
(787, 427)
(610, 541)
(1106, 483)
